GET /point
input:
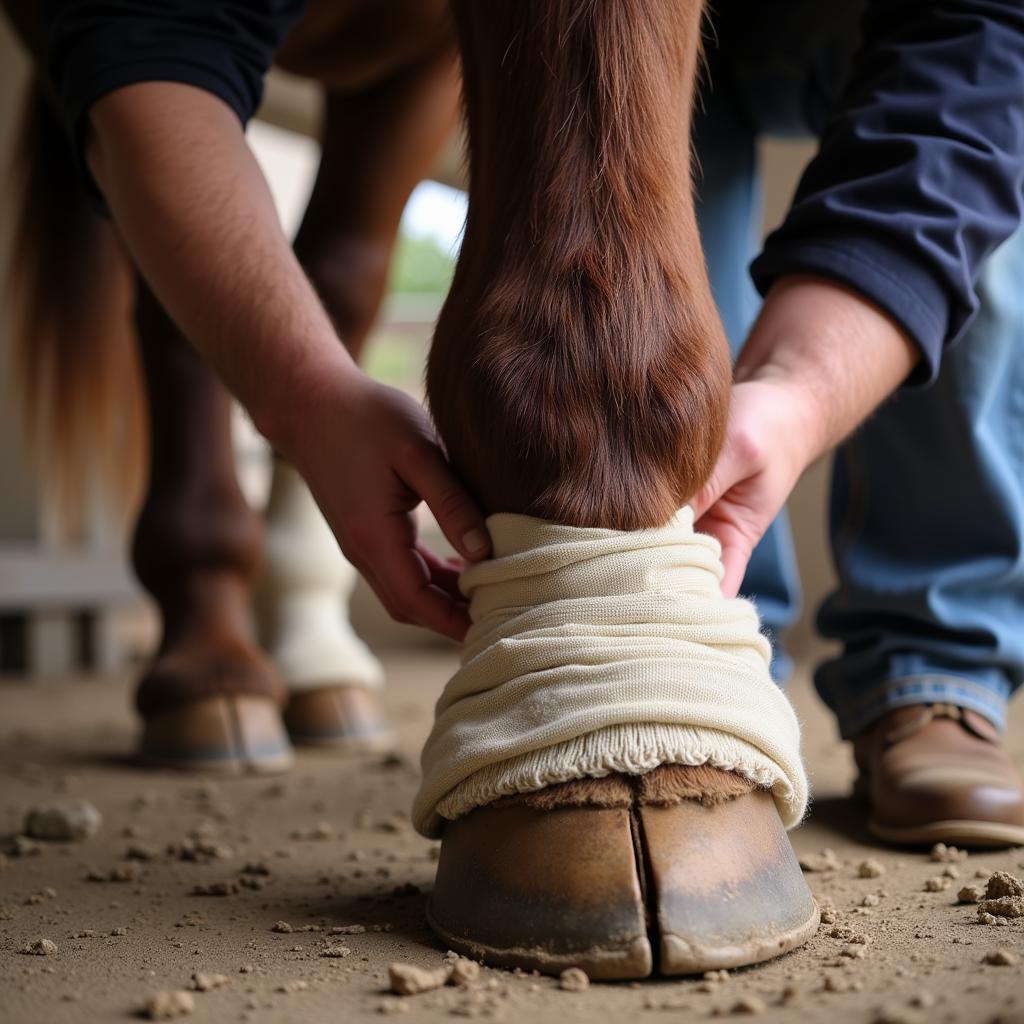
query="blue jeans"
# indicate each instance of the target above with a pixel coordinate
(927, 507)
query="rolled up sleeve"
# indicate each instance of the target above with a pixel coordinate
(225, 48)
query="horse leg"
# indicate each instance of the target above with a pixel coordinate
(578, 770)
(210, 699)
(378, 145)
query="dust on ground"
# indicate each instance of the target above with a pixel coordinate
(287, 899)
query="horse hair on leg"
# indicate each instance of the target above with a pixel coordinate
(666, 785)
(579, 371)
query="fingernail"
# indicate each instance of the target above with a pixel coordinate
(474, 540)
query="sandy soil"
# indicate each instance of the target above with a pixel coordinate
(330, 847)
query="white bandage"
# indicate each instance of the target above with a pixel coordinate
(595, 651)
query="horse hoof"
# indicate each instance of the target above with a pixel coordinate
(725, 884)
(622, 892)
(543, 890)
(228, 734)
(344, 717)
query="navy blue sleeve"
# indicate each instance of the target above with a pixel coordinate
(920, 170)
(222, 46)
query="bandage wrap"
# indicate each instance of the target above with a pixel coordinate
(595, 651)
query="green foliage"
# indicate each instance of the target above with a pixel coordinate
(420, 267)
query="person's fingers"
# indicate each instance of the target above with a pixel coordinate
(706, 497)
(735, 559)
(405, 580)
(741, 457)
(726, 474)
(364, 570)
(736, 547)
(444, 573)
(426, 472)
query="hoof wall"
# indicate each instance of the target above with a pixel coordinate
(348, 718)
(231, 735)
(623, 892)
(726, 889)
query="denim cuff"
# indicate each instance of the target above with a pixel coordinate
(856, 712)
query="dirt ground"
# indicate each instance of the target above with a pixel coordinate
(330, 847)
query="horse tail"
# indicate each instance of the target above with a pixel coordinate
(76, 369)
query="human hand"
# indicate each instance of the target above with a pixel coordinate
(767, 447)
(370, 456)
(819, 359)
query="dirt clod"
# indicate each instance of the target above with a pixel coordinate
(970, 894)
(836, 983)
(64, 821)
(573, 980)
(826, 860)
(22, 846)
(749, 1005)
(464, 972)
(409, 980)
(141, 851)
(789, 995)
(387, 1007)
(1004, 906)
(1001, 958)
(203, 982)
(229, 888)
(41, 947)
(1002, 883)
(168, 1005)
(870, 868)
(665, 1003)
(130, 872)
(827, 910)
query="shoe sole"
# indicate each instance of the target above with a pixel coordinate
(976, 834)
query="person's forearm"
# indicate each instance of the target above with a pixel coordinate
(837, 352)
(192, 206)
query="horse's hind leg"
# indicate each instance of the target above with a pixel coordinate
(210, 700)
(378, 144)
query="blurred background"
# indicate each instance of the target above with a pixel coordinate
(69, 604)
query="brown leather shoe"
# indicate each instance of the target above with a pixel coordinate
(227, 734)
(622, 891)
(939, 773)
(345, 717)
